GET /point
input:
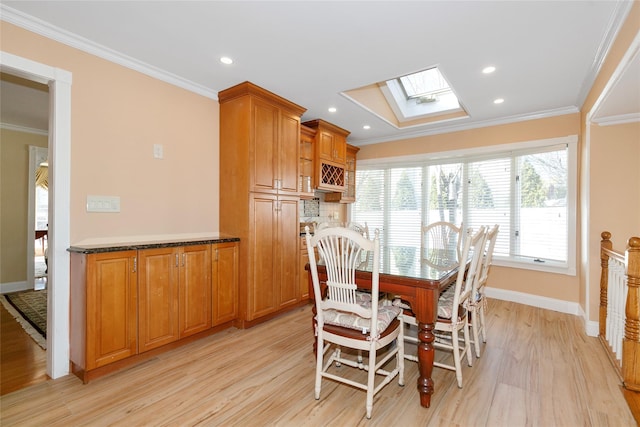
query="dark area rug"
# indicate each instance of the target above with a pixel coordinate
(32, 307)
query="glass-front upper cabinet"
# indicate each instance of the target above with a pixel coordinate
(305, 180)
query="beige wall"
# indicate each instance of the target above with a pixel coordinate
(549, 285)
(611, 171)
(117, 114)
(614, 203)
(14, 198)
(494, 135)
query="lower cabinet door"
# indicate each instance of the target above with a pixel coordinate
(195, 289)
(111, 307)
(158, 297)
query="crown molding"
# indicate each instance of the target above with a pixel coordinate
(458, 127)
(24, 129)
(620, 15)
(618, 120)
(45, 29)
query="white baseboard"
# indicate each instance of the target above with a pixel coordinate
(5, 288)
(591, 328)
(534, 300)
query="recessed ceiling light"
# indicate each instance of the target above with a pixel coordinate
(366, 127)
(226, 60)
(332, 109)
(488, 70)
(498, 101)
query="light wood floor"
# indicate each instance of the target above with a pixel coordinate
(537, 369)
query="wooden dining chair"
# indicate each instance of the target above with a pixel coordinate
(442, 244)
(478, 301)
(453, 316)
(362, 229)
(349, 318)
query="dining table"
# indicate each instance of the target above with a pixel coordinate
(405, 274)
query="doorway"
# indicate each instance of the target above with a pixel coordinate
(59, 82)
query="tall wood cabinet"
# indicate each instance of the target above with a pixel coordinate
(259, 198)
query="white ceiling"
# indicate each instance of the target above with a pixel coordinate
(547, 53)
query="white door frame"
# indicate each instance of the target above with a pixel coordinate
(59, 82)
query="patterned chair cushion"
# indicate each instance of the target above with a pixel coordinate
(445, 303)
(363, 299)
(386, 314)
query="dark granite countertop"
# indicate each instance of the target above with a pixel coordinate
(151, 244)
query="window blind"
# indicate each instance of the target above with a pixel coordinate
(526, 192)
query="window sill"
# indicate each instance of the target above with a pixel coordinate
(529, 264)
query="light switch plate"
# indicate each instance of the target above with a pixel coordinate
(158, 151)
(103, 204)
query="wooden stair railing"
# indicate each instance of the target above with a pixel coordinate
(619, 316)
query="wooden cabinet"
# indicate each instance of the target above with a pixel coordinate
(104, 308)
(194, 299)
(158, 307)
(274, 148)
(273, 277)
(224, 286)
(330, 155)
(349, 194)
(306, 180)
(175, 294)
(128, 305)
(331, 141)
(259, 169)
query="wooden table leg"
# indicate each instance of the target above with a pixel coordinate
(426, 355)
(426, 309)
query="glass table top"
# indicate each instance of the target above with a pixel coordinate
(406, 261)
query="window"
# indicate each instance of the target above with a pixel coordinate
(528, 190)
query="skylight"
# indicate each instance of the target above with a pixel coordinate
(412, 100)
(420, 95)
(424, 84)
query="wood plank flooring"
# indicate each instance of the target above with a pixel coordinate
(22, 361)
(538, 368)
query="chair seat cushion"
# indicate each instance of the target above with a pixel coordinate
(386, 314)
(445, 303)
